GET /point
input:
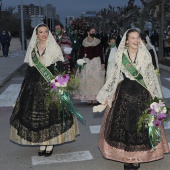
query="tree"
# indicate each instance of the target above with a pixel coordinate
(127, 15)
(11, 22)
(148, 5)
(161, 28)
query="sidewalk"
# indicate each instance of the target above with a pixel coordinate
(10, 65)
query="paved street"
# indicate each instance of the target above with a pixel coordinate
(82, 154)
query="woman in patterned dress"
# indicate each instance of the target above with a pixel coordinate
(125, 95)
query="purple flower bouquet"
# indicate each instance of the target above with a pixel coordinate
(152, 119)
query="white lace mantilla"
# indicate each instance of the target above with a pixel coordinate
(52, 53)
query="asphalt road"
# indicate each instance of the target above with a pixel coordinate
(82, 154)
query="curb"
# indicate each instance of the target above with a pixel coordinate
(163, 67)
(10, 75)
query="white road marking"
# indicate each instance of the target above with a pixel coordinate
(167, 79)
(60, 158)
(166, 92)
(9, 96)
(95, 129)
(167, 125)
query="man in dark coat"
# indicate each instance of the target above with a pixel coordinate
(5, 42)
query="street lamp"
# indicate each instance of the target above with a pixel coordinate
(0, 5)
(22, 28)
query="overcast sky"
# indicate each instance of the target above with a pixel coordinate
(70, 7)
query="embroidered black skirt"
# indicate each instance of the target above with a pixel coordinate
(32, 120)
(121, 123)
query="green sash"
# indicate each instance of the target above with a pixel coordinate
(41, 68)
(64, 98)
(132, 70)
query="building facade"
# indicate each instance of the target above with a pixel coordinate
(50, 16)
(30, 10)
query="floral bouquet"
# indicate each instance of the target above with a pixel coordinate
(80, 64)
(152, 119)
(61, 88)
(60, 82)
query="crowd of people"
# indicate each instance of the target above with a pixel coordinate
(119, 73)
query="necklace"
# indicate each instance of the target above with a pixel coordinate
(41, 49)
(134, 61)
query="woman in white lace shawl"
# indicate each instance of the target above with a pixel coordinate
(33, 122)
(125, 99)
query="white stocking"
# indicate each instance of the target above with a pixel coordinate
(49, 148)
(42, 148)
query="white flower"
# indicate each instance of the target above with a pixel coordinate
(53, 81)
(57, 84)
(60, 91)
(64, 85)
(67, 50)
(155, 106)
(81, 62)
(164, 110)
(151, 120)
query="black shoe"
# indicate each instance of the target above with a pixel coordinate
(41, 152)
(134, 166)
(130, 166)
(126, 166)
(49, 153)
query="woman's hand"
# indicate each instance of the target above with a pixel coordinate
(106, 102)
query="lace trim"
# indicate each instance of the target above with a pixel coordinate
(143, 64)
(95, 42)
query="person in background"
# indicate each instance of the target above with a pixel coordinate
(92, 75)
(5, 43)
(76, 43)
(111, 51)
(168, 40)
(66, 46)
(133, 83)
(104, 40)
(151, 51)
(155, 39)
(165, 44)
(118, 38)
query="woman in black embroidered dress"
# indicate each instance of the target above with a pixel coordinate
(32, 123)
(119, 139)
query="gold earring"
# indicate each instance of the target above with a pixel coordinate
(37, 39)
